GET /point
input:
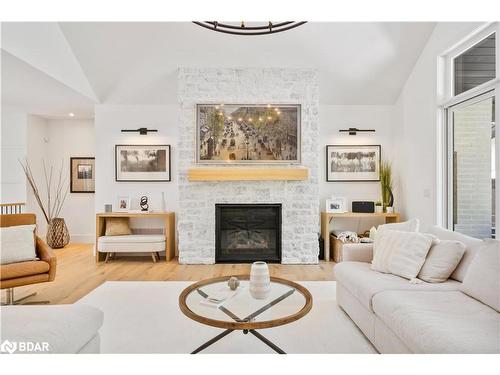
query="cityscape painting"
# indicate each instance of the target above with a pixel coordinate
(234, 133)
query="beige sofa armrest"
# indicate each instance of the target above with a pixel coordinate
(360, 252)
(46, 254)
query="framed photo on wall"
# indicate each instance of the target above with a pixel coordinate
(82, 175)
(353, 163)
(142, 163)
(248, 133)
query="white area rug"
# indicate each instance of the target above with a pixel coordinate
(144, 317)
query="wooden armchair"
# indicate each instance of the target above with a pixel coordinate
(30, 272)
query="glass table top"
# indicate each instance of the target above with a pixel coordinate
(286, 299)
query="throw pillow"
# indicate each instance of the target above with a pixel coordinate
(117, 226)
(441, 261)
(18, 244)
(402, 253)
(482, 280)
(407, 226)
(471, 247)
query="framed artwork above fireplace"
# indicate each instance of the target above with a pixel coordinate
(248, 133)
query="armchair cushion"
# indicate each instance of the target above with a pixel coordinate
(18, 244)
(21, 269)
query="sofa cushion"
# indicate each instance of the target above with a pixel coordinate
(17, 243)
(364, 283)
(471, 247)
(482, 281)
(401, 253)
(407, 226)
(21, 269)
(439, 322)
(66, 328)
(441, 261)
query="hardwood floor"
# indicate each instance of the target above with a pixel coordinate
(78, 274)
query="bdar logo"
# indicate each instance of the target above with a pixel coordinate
(8, 347)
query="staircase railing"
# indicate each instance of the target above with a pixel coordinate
(12, 208)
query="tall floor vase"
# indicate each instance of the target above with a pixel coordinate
(57, 233)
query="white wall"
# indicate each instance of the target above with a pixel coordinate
(109, 120)
(382, 118)
(417, 136)
(13, 148)
(55, 141)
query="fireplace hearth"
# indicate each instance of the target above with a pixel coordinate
(246, 233)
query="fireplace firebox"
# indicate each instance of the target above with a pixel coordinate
(246, 233)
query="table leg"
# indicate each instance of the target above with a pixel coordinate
(212, 341)
(267, 342)
(325, 234)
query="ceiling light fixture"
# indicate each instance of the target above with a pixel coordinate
(242, 29)
(71, 114)
(141, 131)
(353, 131)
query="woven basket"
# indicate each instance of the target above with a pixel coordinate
(57, 233)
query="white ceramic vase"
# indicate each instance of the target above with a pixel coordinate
(389, 210)
(260, 282)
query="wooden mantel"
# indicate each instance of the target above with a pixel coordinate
(247, 174)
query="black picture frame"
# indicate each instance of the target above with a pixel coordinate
(72, 181)
(167, 147)
(329, 148)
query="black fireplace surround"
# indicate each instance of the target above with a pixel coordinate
(246, 233)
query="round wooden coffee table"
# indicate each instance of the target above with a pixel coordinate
(286, 303)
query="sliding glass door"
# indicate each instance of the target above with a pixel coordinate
(471, 171)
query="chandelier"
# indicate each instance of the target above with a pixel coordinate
(242, 29)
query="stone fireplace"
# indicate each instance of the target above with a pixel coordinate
(299, 200)
(246, 233)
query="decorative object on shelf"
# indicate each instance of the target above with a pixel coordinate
(108, 208)
(233, 283)
(350, 163)
(142, 163)
(123, 204)
(363, 206)
(336, 205)
(354, 131)
(163, 202)
(82, 174)
(56, 192)
(144, 203)
(141, 131)
(57, 233)
(254, 28)
(378, 207)
(386, 185)
(260, 282)
(389, 209)
(248, 133)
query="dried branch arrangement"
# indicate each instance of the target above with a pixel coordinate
(57, 191)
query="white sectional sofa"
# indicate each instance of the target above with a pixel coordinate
(53, 329)
(400, 317)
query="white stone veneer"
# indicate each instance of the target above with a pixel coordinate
(300, 215)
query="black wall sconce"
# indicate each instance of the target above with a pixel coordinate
(141, 131)
(354, 131)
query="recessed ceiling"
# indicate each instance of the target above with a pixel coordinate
(136, 63)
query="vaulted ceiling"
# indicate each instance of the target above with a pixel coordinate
(136, 63)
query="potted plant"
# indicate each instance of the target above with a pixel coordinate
(57, 232)
(378, 207)
(386, 186)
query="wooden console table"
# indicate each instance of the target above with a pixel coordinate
(168, 229)
(327, 217)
